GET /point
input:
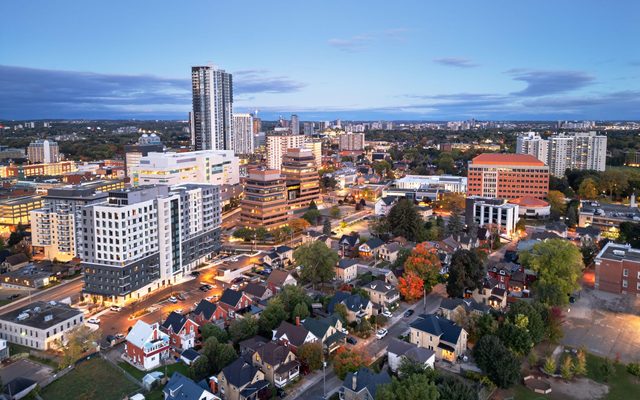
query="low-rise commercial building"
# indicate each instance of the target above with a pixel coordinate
(507, 176)
(618, 269)
(492, 212)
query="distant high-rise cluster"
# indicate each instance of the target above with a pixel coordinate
(579, 150)
(243, 133)
(43, 152)
(212, 116)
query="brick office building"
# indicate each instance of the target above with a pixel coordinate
(618, 269)
(507, 176)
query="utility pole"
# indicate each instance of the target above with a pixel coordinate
(324, 376)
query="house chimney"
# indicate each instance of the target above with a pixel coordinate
(354, 381)
(298, 320)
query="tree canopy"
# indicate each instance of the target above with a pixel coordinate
(498, 362)
(465, 272)
(414, 387)
(424, 263)
(404, 220)
(317, 262)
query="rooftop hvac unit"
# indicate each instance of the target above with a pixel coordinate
(48, 317)
(23, 316)
(618, 252)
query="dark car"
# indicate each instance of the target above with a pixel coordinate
(408, 313)
(195, 273)
(205, 288)
(14, 296)
(351, 340)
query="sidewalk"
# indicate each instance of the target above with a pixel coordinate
(306, 383)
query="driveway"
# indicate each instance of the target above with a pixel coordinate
(25, 368)
(606, 324)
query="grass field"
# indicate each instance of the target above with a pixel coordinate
(170, 369)
(92, 379)
(621, 383)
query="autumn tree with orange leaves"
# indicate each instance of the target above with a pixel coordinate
(348, 361)
(425, 264)
(410, 286)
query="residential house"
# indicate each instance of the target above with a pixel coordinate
(370, 248)
(279, 257)
(241, 380)
(358, 307)
(249, 346)
(389, 251)
(384, 204)
(279, 278)
(491, 294)
(454, 309)
(208, 312)
(146, 345)
(277, 362)
(182, 331)
(293, 336)
(348, 245)
(235, 302)
(328, 330)
(14, 262)
(510, 276)
(4, 350)
(588, 235)
(346, 270)
(557, 227)
(180, 387)
(399, 350)
(447, 339)
(311, 236)
(258, 291)
(425, 212)
(363, 384)
(382, 294)
(189, 356)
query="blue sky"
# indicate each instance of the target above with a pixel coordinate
(430, 60)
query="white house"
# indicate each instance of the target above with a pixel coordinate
(384, 204)
(399, 350)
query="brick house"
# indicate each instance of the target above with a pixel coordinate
(181, 330)
(146, 345)
(293, 336)
(208, 312)
(234, 302)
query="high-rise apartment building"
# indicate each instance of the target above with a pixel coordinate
(301, 175)
(560, 154)
(295, 125)
(532, 143)
(264, 204)
(590, 151)
(315, 145)
(277, 146)
(218, 167)
(351, 141)
(243, 133)
(212, 108)
(57, 226)
(134, 152)
(257, 125)
(43, 152)
(308, 128)
(145, 238)
(507, 176)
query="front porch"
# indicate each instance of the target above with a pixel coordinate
(286, 373)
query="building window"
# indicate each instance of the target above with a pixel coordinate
(625, 272)
(624, 283)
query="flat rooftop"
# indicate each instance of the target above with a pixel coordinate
(41, 315)
(620, 252)
(507, 159)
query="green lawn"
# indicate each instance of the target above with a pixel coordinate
(92, 379)
(621, 383)
(170, 369)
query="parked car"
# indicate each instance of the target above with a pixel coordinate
(178, 310)
(381, 333)
(119, 336)
(408, 313)
(94, 320)
(172, 299)
(204, 288)
(387, 314)
(115, 308)
(180, 297)
(14, 296)
(351, 340)
(345, 331)
(208, 298)
(195, 273)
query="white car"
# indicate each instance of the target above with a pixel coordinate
(172, 299)
(179, 310)
(346, 332)
(381, 333)
(119, 336)
(115, 308)
(94, 320)
(387, 314)
(208, 298)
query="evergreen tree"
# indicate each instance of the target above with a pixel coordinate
(326, 227)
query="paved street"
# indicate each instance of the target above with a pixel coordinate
(60, 292)
(372, 346)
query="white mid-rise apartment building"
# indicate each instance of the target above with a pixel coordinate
(43, 151)
(217, 167)
(351, 141)
(277, 146)
(243, 133)
(148, 237)
(532, 143)
(315, 145)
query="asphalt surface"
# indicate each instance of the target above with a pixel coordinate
(60, 292)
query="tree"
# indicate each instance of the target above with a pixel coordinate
(515, 338)
(606, 369)
(209, 349)
(580, 365)
(587, 189)
(326, 227)
(404, 220)
(454, 227)
(334, 212)
(341, 310)
(557, 203)
(380, 167)
(310, 354)
(301, 310)
(241, 329)
(410, 367)
(317, 262)
(451, 387)
(272, 315)
(79, 341)
(416, 386)
(291, 295)
(630, 233)
(224, 356)
(211, 330)
(312, 216)
(465, 272)
(566, 369)
(312, 205)
(550, 365)
(200, 368)
(498, 362)
(484, 325)
(424, 263)
(348, 361)
(401, 258)
(299, 224)
(261, 234)
(244, 233)
(452, 202)
(553, 325)
(572, 215)
(533, 315)
(410, 286)
(558, 264)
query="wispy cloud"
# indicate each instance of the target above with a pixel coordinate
(352, 44)
(29, 92)
(458, 62)
(545, 82)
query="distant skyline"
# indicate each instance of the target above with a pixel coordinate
(409, 60)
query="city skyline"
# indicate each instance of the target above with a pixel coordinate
(412, 61)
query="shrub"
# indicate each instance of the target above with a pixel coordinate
(550, 365)
(634, 369)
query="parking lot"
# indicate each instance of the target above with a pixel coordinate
(25, 368)
(606, 324)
